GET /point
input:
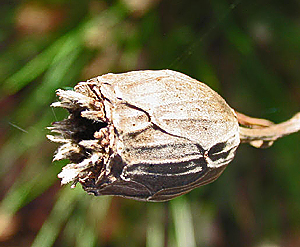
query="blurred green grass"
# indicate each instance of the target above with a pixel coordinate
(248, 51)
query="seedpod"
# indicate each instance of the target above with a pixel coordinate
(150, 135)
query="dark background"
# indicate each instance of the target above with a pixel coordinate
(248, 51)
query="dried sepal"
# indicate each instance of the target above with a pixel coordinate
(74, 172)
(67, 151)
(82, 144)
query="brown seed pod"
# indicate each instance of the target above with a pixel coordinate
(145, 135)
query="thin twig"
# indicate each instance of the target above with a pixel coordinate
(252, 122)
(264, 137)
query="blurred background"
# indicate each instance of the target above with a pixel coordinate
(248, 51)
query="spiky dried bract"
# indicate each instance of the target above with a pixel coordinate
(146, 135)
(81, 143)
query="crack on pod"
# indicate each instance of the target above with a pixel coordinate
(152, 123)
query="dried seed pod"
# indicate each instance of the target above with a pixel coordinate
(145, 135)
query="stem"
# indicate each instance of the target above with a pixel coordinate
(265, 136)
(252, 122)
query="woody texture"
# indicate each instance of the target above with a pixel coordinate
(152, 135)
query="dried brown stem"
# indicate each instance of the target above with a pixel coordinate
(252, 122)
(265, 136)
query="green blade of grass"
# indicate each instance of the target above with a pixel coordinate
(61, 211)
(22, 192)
(183, 222)
(155, 228)
(35, 67)
(21, 142)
